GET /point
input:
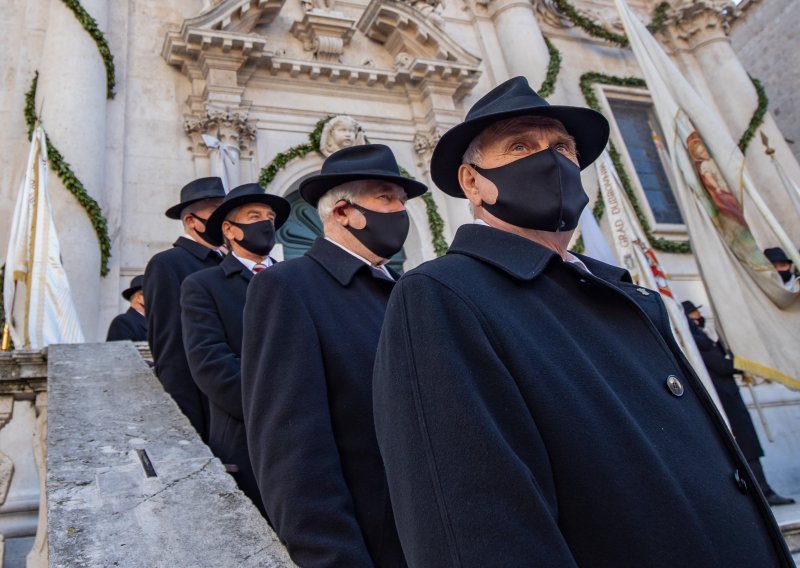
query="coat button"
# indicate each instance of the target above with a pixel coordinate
(741, 482)
(643, 292)
(674, 385)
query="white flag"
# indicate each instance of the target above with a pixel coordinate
(36, 293)
(634, 254)
(728, 221)
(225, 164)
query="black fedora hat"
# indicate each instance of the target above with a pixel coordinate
(509, 99)
(137, 283)
(689, 307)
(197, 190)
(776, 254)
(238, 196)
(365, 161)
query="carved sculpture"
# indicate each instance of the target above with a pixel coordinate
(340, 132)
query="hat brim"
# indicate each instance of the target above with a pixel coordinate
(589, 128)
(129, 292)
(174, 212)
(278, 204)
(313, 188)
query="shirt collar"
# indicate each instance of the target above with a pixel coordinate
(520, 257)
(337, 260)
(250, 263)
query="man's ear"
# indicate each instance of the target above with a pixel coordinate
(338, 213)
(467, 178)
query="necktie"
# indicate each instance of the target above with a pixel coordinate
(259, 267)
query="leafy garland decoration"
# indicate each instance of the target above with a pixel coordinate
(757, 118)
(279, 162)
(588, 25)
(90, 25)
(70, 181)
(660, 14)
(586, 82)
(553, 68)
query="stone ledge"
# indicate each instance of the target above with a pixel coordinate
(105, 406)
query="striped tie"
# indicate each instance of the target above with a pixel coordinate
(259, 267)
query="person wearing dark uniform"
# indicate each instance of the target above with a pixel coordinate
(785, 268)
(311, 325)
(212, 308)
(720, 368)
(132, 325)
(531, 405)
(163, 277)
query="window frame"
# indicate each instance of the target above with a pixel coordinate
(672, 231)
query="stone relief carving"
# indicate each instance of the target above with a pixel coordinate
(325, 33)
(6, 475)
(431, 10)
(547, 12)
(340, 132)
(229, 126)
(695, 21)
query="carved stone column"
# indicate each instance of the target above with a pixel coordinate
(71, 95)
(37, 557)
(521, 40)
(700, 27)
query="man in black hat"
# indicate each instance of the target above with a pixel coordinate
(212, 304)
(785, 267)
(721, 370)
(310, 329)
(162, 292)
(531, 405)
(131, 325)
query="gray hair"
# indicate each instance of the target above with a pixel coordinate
(348, 191)
(509, 126)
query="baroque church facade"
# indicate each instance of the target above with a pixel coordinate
(263, 90)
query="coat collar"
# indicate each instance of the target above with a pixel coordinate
(231, 265)
(194, 248)
(134, 314)
(521, 258)
(339, 263)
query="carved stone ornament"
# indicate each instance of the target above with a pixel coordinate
(546, 11)
(6, 475)
(339, 132)
(229, 126)
(431, 10)
(325, 33)
(697, 21)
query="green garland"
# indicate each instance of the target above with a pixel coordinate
(70, 181)
(758, 116)
(586, 83)
(553, 68)
(588, 25)
(90, 25)
(279, 162)
(659, 17)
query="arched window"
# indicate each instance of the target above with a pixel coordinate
(304, 226)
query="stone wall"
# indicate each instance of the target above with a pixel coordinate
(767, 40)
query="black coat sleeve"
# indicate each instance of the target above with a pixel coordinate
(215, 367)
(289, 433)
(162, 289)
(468, 470)
(121, 329)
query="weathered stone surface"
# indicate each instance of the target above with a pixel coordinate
(105, 404)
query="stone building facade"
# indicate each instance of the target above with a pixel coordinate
(260, 75)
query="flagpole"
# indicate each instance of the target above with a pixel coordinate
(791, 188)
(5, 341)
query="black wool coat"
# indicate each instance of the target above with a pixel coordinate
(525, 418)
(130, 325)
(311, 326)
(212, 308)
(163, 277)
(721, 370)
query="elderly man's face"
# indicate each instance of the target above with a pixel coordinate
(380, 196)
(509, 145)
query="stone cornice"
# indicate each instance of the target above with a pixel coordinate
(23, 373)
(695, 22)
(189, 43)
(237, 15)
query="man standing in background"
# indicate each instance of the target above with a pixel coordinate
(132, 325)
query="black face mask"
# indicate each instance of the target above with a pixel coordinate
(786, 275)
(542, 191)
(202, 234)
(384, 233)
(701, 322)
(259, 237)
